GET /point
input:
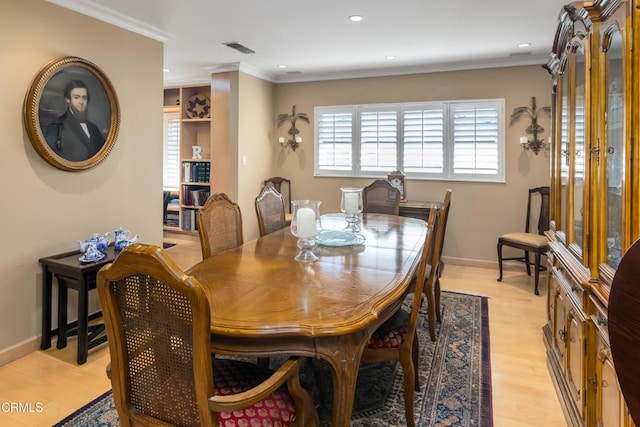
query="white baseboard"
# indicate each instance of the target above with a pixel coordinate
(19, 350)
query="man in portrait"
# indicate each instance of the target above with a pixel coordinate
(72, 135)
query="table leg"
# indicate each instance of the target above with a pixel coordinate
(62, 313)
(83, 319)
(343, 355)
(47, 296)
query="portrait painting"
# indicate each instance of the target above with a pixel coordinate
(72, 114)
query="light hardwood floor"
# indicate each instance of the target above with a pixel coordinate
(523, 394)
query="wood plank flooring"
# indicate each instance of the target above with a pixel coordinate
(523, 394)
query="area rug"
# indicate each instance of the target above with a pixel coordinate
(455, 378)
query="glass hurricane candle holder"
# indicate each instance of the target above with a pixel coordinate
(305, 225)
(351, 205)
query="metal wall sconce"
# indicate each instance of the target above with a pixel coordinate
(294, 140)
(534, 129)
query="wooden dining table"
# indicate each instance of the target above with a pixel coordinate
(265, 304)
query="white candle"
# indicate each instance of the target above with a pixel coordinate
(351, 203)
(523, 140)
(306, 223)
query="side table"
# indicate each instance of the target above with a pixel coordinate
(71, 274)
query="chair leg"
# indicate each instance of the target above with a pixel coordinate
(408, 372)
(436, 289)
(537, 273)
(500, 260)
(527, 262)
(415, 352)
(431, 315)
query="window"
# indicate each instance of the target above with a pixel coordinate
(171, 152)
(453, 140)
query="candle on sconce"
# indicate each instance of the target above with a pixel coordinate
(523, 140)
(549, 140)
(306, 223)
(351, 203)
(298, 139)
(281, 140)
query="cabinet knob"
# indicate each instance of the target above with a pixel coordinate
(601, 321)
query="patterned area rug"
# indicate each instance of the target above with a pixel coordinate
(455, 378)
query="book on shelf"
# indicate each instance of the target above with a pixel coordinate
(189, 221)
(194, 195)
(196, 171)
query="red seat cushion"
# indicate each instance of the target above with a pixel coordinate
(234, 376)
(392, 333)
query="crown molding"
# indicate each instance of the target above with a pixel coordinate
(110, 16)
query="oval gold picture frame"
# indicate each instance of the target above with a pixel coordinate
(51, 124)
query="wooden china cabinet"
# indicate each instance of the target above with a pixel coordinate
(595, 199)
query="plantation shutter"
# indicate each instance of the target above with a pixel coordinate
(475, 139)
(171, 152)
(378, 140)
(335, 140)
(423, 141)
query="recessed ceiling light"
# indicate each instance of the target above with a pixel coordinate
(524, 45)
(282, 66)
(390, 57)
(166, 70)
(356, 18)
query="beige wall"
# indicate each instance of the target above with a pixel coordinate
(479, 212)
(255, 127)
(45, 210)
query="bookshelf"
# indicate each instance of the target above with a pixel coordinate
(194, 105)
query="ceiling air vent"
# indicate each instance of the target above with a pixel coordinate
(240, 48)
(518, 54)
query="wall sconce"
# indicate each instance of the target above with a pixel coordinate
(294, 140)
(534, 129)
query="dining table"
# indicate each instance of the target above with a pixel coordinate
(265, 304)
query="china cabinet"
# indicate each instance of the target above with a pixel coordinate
(193, 107)
(595, 199)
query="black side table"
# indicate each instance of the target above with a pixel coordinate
(71, 274)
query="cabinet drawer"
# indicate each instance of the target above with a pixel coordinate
(574, 291)
(599, 317)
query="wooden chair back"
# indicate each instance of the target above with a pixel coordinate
(543, 216)
(381, 197)
(158, 326)
(270, 210)
(219, 225)
(282, 186)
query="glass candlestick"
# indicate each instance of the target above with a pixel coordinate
(351, 205)
(305, 224)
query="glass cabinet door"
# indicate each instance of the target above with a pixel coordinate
(578, 171)
(562, 221)
(615, 150)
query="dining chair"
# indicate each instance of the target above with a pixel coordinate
(528, 241)
(282, 186)
(219, 225)
(158, 327)
(397, 338)
(381, 197)
(270, 210)
(431, 286)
